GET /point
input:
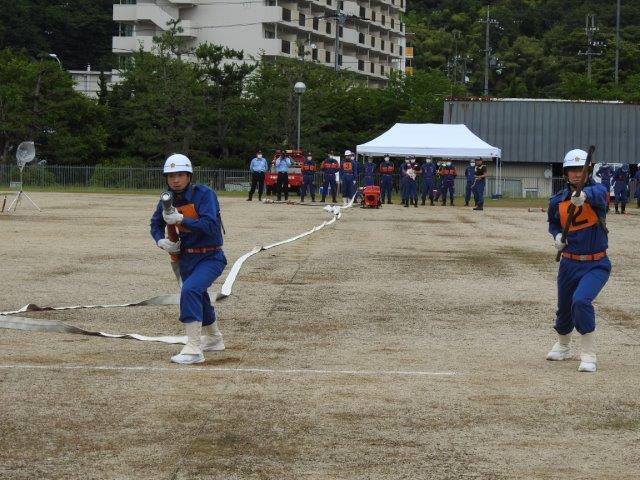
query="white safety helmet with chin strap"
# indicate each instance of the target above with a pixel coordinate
(177, 163)
(574, 158)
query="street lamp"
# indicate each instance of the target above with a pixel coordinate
(299, 88)
(53, 55)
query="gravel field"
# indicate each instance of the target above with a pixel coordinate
(397, 343)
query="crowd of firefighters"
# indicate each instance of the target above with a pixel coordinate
(434, 179)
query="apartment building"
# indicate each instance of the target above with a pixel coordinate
(370, 36)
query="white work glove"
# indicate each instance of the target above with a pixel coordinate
(579, 200)
(172, 218)
(169, 246)
(559, 243)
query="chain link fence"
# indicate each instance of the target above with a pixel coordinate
(136, 178)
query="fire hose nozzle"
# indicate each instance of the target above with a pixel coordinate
(167, 202)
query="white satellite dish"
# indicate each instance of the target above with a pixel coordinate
(25, 153)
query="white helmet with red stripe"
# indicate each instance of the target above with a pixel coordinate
(177, 163)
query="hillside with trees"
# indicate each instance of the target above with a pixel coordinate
(535, 46)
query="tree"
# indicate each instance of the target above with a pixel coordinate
(37, 102)
(222, 72)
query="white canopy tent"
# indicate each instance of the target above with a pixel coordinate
(432, 140)
(429, 139)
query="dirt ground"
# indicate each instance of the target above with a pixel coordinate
(398, 343)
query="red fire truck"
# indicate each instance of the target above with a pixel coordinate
(295, 171)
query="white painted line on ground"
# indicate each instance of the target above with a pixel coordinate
(398, 373)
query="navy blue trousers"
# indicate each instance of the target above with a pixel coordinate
(578, 285)
(198, 272)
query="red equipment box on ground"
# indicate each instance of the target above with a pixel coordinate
(371, 197)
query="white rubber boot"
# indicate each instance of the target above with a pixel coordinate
(191, 352)
(588, 353)
(561, 350)
(212, 338)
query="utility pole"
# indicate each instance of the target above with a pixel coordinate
(617, 41)
(487, 50)
(590, 30)
(340, 19)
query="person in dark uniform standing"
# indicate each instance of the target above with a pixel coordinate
(470, 176)
(386, 179)
(449, 175)
(258, 168)
(621, 187)
(308, 178)
(369, 171)
(283, 162)
(330, 166)
(480, 172)
(605, 174)
(348, 175)
(197, 219)
(411, 185)
(428, 174)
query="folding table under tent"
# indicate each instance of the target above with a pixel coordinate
(431, 140)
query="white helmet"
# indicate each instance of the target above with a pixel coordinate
(177, 163)
(347, 153)
(575, 158)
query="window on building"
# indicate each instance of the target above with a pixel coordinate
(392, 23)
(329, 2)
(286, 14)
(361, 37)
(125, 30)
(391, 46)
(339, 59)
(340, 32)
(314, 54)
(271, 3)
(373, 41)
(361, 65)
(381, 69)
(401, 27)
(383, 19)
(286, 46)
(327, 57)
(363, 12)
(373, 16)
(381, 44)
(401, 3)
(372, 68)
(400, 49)
(125, 2)
(327, 27)
(316, 23)
(302, 19)
(269, 31)
(341, 5)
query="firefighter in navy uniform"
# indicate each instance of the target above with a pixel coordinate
(386, 179)
(369, 171)
(197, 218)
(449, 175)
(470, 176)
(329, 167)
(428, 173)
(479, 183)
(584, 267)
(348, 175)
(621, 188)
(605, 173)
(308, 178)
